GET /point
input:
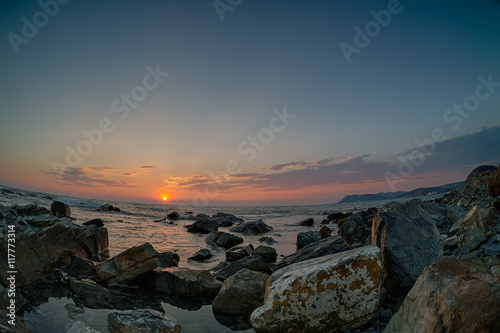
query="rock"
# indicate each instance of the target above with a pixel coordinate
(96, 222)
(238, 252)
(81, 327)
(186, 282)
(203, 226)
(268, 254)
(109, 208)
(325, 232)
(60, 209)
(73, 310)
(354, 230)
(241, 293)
(306, 238)
(491, 221)
(452, 296)
(173, 215)
(30, 210)
(201, 255)
(168, 259)
(252, 228)
(52, 247)
(472, 232)
(410, 241)
(338, 216)
(492, 246)
(309, 222)
(223, 239)
(267, 240)
(333, 293)
(225, 220)
(40, 221)
(135, 261)
(94, 295)
(81, 268)
(254, 263)
(19, 323)
(324, 247)
(493, 186)
(143, 320)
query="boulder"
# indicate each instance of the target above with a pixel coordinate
(252, 228)
(333, 293)
(309, 222)
(60, 209)
(173, 215)
(19, 325)
(241, 293)
(492, 246)
(472, 232)
(253, 263)
(80, 267)
(109, 208)
(168, 259)
(40, 221)
(238, 252)
(203, 226)
(334, 217)
(225, 220)
(452, 296)
(96, 222)
(186, 282)
(330, 245)
(268, 254)
(94, 295)
(142, 320)
(325, 232)
(267, 240)
(39, 253)
(135, 261)
(201, 255)
(410, 241)
(493, 186)
(223, 239)
(306, 238)
(30, 210)
(354, 230)
(81, 327)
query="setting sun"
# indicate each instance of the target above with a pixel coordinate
(165, 198)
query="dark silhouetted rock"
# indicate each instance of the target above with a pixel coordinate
(109, 208)
(306, 238)
(338, 216)
(238, 252)
(60, 209)
(267, 240)
(81, 268)
(252, 228)
(226, 220)
(96, 222)
(223, 239)
(267, 253)
(186, 282)
(307, 222)
(168, 259)
(325, 232)
(203, 226)
(493, 186)
(354, 230)
(254, 263)
(173, 215)
(201, 255)
(30, 210)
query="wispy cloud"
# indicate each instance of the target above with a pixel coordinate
(93, 177)
(148, 167)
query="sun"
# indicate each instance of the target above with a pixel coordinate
(165, 198)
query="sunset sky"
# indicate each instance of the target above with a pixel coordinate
(246, 102)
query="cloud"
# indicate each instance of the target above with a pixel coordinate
(148, 167)
(92, 177)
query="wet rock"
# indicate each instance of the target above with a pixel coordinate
(168, 259)
(81, 327)
(252, 228)
(94, 295)
(19, 323)
(338, 216)
(143, 320)
(241, 293)
(225, 220)
(446, 299)
(52, 247)
(309, 222)
(223, 239)
(493, 186)
(109, 208)
(267, 240)
(135, 261)
(325, 232)
(96, 222)
(173, 215)
(268, 254)
(330, 245)
(201, 255)
(472, 232)
(186, 282)
(306, 238)
(203, 226)
(492, 246)
(335, 292)
(80, 267)
(410, 241)
(60, 209)
(254, 263)
(40, 221)
(73, 310)
(238, 252)
(354, 230)
(30, 210)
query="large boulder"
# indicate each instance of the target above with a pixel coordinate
(241, 293)
(203, 226)
(239, 252)
(354, 230)
(42, 250)
(306, 238)
(201, 255)
(96, 296)
(60, 209)
(127, 265)
(252, 228)
(410, 240)
(493, 186)
(253, 262)
(109, 208)
(142, 320)
(186, 282)
(225, 220)
(324, 247)
(472, 232)
(223, 239)
(332, 293)
(452, 296)
(30, 210)
(309, 222)
(168, 259)
(267, 253)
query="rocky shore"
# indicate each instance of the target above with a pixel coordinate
(418, 266)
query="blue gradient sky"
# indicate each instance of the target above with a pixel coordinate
(354, 121)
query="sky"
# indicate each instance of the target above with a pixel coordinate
(246, 102)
